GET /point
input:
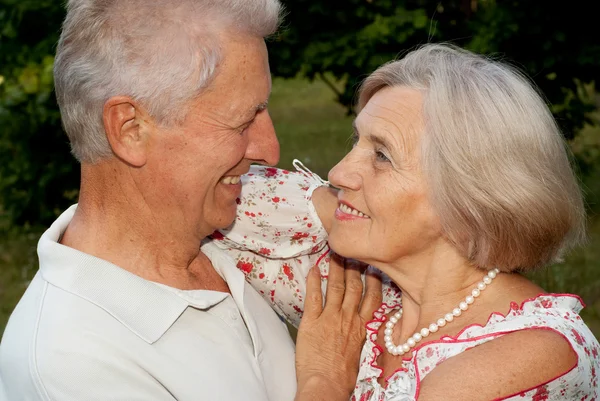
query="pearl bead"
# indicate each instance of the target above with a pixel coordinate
(433, 327)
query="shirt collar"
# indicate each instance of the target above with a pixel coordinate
(144, 307)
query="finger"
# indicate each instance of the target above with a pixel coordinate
(354, 285)
(313, 303)
(336, 285)
(372, 298)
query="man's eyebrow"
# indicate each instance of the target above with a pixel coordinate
(262, 106)
(253, 111)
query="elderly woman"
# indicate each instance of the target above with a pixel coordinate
(458, 181)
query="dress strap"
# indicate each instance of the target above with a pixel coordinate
(300, 167)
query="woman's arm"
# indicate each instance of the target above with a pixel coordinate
(325, 202)
(278, 235)
(507, 365)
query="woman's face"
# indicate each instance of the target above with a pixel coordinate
(381, 179)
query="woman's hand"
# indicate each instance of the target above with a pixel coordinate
(330, 337)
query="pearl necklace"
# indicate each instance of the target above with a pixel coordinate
(441, 322)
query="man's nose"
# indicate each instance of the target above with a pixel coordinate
(263, 146)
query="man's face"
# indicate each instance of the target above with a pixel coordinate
(196, 165)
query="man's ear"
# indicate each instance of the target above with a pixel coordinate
(126, 129)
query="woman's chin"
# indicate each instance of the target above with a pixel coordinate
(342, 247)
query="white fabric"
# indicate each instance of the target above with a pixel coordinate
(88, 330)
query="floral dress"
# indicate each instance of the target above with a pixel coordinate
(277, 237)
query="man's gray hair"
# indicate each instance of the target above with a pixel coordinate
(160, 53)
(497, 166)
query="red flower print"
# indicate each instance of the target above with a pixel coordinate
(366, 396)
(541, 394)
(287, 270)
(270, 172)
(246, 267)
(276, 199)
(264, 251)
(217, 235)
(298, 236)
(577, 336)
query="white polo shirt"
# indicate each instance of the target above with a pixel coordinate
(88, 330)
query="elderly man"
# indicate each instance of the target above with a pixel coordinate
(165, 106)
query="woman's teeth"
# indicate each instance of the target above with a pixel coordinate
(348, 210)
(231, 180)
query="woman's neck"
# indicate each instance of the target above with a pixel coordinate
(433, 283)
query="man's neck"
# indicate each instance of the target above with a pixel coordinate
(118, 228)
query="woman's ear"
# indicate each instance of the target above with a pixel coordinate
(126, 129)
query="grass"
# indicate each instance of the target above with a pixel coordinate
(313, 128)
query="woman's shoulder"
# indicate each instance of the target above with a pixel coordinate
(541, 344)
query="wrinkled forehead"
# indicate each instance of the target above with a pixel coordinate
(394, 113)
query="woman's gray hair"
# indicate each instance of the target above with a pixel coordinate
(496, 164)
(160, 53)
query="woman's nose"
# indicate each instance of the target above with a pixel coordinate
(345, 174)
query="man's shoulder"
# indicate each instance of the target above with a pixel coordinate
(55, 340)
(49, 322)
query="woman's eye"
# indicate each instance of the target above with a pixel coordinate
(380, 156)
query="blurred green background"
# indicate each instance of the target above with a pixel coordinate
(323, 51)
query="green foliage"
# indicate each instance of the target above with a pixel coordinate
(553, 42)
(38, 177)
